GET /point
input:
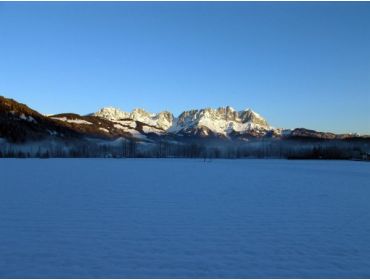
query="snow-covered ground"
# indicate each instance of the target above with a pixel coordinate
(184, 218)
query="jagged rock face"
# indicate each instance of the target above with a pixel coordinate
(164, 120)
(186, 117)
(222, 121)
(228, 113)
(112, 114)
(141, 115)
(250, 116)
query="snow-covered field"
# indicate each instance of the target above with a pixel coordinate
(184, 218)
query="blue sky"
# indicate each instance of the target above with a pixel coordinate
(297, 64)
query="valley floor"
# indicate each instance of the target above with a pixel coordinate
(178, 218)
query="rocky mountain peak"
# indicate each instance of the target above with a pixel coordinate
(250, 116)
(223, 120)
(111, 113)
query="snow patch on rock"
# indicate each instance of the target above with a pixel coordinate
(77, 121)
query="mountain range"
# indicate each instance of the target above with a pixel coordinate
(19, 124)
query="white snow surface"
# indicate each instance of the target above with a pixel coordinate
(78, 121)
(131, 124)
(119, 126)
(104, 129)
(149, 129)
(105, 218)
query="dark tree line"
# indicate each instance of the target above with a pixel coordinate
(130, 148)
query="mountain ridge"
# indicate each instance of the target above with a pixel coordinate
(21, 123)
(222, 121)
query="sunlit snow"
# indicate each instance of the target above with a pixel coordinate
(77, 121)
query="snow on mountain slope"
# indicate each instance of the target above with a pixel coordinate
(162, 120)
(78, 121)
(221, 121)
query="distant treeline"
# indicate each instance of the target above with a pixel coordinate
(129, 148)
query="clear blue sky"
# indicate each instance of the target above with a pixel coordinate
(297, 64)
